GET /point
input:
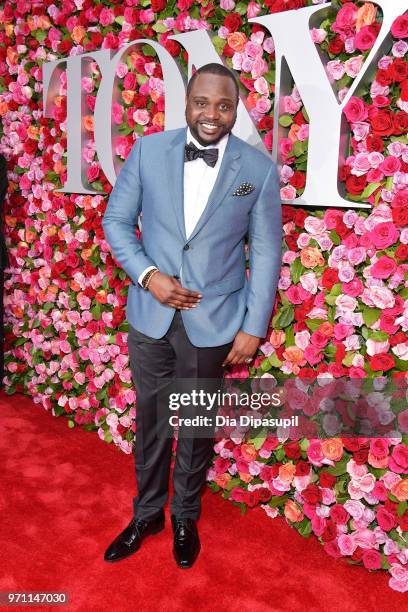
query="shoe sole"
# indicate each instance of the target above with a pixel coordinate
(130, 553)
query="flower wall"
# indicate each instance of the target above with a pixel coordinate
(342, 305)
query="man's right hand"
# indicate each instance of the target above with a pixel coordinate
(168, 291)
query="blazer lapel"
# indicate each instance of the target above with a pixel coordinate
(175, 177)
(228, 171)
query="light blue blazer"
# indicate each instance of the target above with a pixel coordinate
(213, 257)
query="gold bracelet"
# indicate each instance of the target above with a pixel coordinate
(149, 275)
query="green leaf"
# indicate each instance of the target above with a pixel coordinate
(241, 8)
(304, 527)
(278, 500)
(335, 237)
(340, 468)
(148, 50)
(159, 27)
(296, 270)
(314, 324)
(370, 315)
(402, 506)
(274, 361)
(369, 190)
(285, 120)
(378, 336)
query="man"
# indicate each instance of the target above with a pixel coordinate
(191, 310)
(3, 259)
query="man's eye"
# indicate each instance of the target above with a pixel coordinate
(200, 103)
(224, 107)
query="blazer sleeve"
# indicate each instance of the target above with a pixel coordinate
(265, 255)
(121, 217)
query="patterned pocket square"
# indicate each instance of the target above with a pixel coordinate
(244, 189)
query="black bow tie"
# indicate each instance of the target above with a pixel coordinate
(210, 156)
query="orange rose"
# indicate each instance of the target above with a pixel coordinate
(252, 99)
(158, 119)
(287, 472)
(222, 480)
(400, 490)
(249, 452)
(366, 15)
(326, 329)
(332, 449)
(294, 128)
(277, 338)
(78, 34)
(3, 108)
(32, 132)
(245, 477)
(89, 123)
(237, 41)
(293, 512)
(311, 257)
(128, 95)
(294, 354)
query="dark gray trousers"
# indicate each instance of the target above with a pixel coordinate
(172, 356)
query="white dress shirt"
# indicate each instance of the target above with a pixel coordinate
(199, 179)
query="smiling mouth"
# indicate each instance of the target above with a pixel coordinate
(210, 126)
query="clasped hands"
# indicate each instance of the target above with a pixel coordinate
(169, 292)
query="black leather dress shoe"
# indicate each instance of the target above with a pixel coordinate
(186, 541)
(129, 541)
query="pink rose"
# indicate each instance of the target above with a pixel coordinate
(365, 38)
(354, 288)
(399, 28)
(314, 453)
(379, 447)
(372, 559)
(379, 491)
(106, 17)
(355, 110)
(346, 544)
(384, 235)
(390, 165)
(399, 459)
(365, 538)
(384, 267)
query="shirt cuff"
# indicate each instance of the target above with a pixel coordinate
(143, 274)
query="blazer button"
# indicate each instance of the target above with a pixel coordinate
(186, 247)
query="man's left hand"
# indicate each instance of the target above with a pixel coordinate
(243, 349)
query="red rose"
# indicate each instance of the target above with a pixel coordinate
(298, 180)
(357, 555)
(299, 217)
(233, 22)
(336, 46)
(351, 444)
(403, 521)
(327, 480)
(382, 122)
(330, 277)
(374, 143)
(302, 468)
(292, 449)
(312, 494)
(400, 216)
(404, 90)
(266, 123)
(356, 184)
(372, 559)
(361, 456)
(339, 514)
(384, 77)
(158, 5)
(398, 70)
(401, 123)
(264, 494)
(382, 362)
(330, 531)
(366, 37)
(401, 252)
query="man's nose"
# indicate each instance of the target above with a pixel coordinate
(212, 113)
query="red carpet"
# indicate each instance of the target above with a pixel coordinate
(65, 495)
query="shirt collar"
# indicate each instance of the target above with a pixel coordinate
(220, 145)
